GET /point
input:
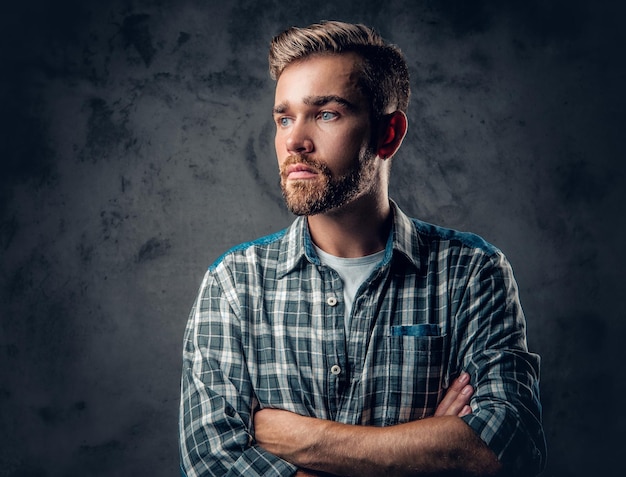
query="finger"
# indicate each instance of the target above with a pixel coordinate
(465, 411)
(457, 396)
(461, 402)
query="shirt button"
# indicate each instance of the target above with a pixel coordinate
(336, 370)
(331, 300)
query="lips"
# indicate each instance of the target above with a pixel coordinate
(300, 171)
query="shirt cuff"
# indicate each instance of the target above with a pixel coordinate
(516, 449)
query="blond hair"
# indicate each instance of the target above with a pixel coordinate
(385, 77)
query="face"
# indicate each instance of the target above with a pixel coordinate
(323, 134)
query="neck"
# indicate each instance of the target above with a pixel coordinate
(356, 230)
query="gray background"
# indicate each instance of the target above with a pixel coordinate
(136, 147)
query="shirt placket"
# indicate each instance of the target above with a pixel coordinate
(363, 314)
(337, 370)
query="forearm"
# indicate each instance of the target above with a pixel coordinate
(426, 447)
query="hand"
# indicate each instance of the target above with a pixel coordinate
(283, 433)
(456, 400)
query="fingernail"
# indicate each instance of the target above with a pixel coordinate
(466, 390)
(464, 377)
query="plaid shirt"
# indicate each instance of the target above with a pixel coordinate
(267, 330)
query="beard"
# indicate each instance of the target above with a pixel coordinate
(326, 192)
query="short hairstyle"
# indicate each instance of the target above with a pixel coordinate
(385, 76)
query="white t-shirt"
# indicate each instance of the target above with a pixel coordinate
(353, 272)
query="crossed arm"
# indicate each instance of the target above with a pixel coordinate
(435, 445)
(216, 405)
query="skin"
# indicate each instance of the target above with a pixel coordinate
(294, 437)
(321, 115)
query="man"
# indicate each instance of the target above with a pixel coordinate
(346, 344)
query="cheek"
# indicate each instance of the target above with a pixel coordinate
(281, 138)
(350, 146)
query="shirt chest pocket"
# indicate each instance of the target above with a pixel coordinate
(416, 363)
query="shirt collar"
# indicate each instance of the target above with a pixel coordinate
(297, 245)
(404, 238)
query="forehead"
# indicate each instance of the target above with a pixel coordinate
(321, 75)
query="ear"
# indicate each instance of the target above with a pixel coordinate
(392, 130)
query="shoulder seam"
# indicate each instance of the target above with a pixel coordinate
(468, 239)
(246, 245)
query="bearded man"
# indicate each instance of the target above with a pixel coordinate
(358, 341)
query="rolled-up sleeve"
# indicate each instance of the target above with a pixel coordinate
(216, 395)
(506, 410)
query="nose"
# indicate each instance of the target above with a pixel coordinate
(299, 140)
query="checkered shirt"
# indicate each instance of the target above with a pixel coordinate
(267, 331)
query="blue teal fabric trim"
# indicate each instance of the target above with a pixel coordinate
(420, 330)
(466, 238)
(243, 246)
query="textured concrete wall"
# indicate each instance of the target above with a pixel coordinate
(136, 146)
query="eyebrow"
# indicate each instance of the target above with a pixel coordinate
(317, 101)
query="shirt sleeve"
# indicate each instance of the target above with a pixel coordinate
(215, 426)
(506, 410)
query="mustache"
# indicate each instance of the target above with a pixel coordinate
(301, 159)
(317, 166)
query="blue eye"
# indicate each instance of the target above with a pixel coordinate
(327, 116)
(284, 122)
